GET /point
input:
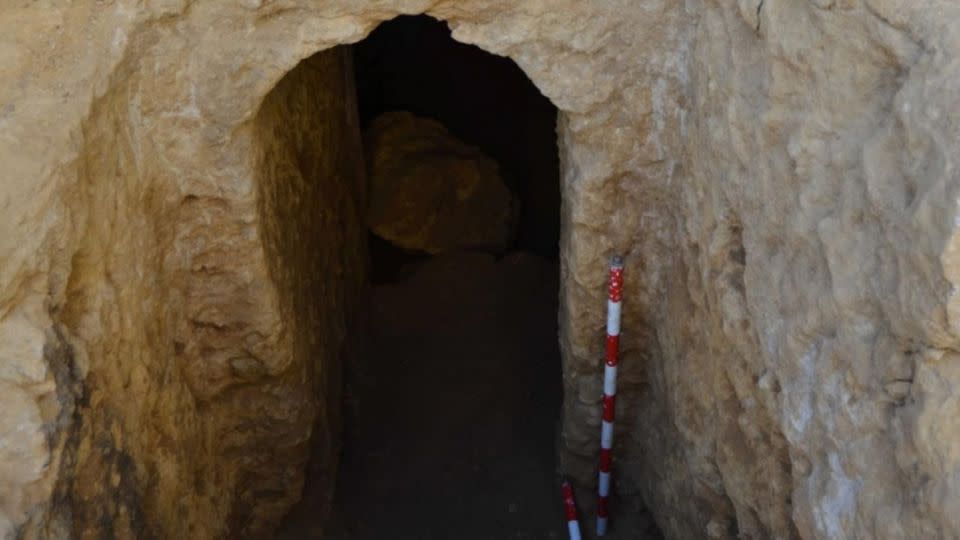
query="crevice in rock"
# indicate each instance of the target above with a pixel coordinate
(62, 434)
(759, 17)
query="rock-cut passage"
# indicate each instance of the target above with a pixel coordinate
(451, 407)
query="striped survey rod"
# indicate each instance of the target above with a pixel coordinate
(570, 508)
(615, 295)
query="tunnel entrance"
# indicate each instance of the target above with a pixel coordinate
(451, 407)
(212, 261)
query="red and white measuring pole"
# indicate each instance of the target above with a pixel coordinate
(614, 303)
(570, 508)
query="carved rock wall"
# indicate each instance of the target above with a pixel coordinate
(805, 324)
(200, 362)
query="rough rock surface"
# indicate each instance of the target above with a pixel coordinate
(802, 382)
(430, 191)
(189, 361)
(780, 174)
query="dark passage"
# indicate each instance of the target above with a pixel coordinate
(451, 415)
(411, 63)
(453, 412)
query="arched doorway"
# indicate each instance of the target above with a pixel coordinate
(452, 401)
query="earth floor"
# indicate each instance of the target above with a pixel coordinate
(452, 414)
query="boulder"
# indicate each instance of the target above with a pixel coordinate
(430, 191)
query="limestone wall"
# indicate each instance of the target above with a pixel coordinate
(312, 196)
(779, 173)
(188, 359)
(804, 380)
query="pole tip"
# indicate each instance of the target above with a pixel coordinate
(616, 260)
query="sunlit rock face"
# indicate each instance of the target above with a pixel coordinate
(431, 192)
(779, 174)
(190, 362)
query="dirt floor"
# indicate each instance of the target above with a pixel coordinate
(452, 415)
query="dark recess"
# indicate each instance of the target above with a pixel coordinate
(412, 63)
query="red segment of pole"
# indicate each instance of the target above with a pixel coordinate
(602, 511)
(606, 459)
(616, 284)
(609, 407)
(570, 509)
(569, 506)
(613, 345)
